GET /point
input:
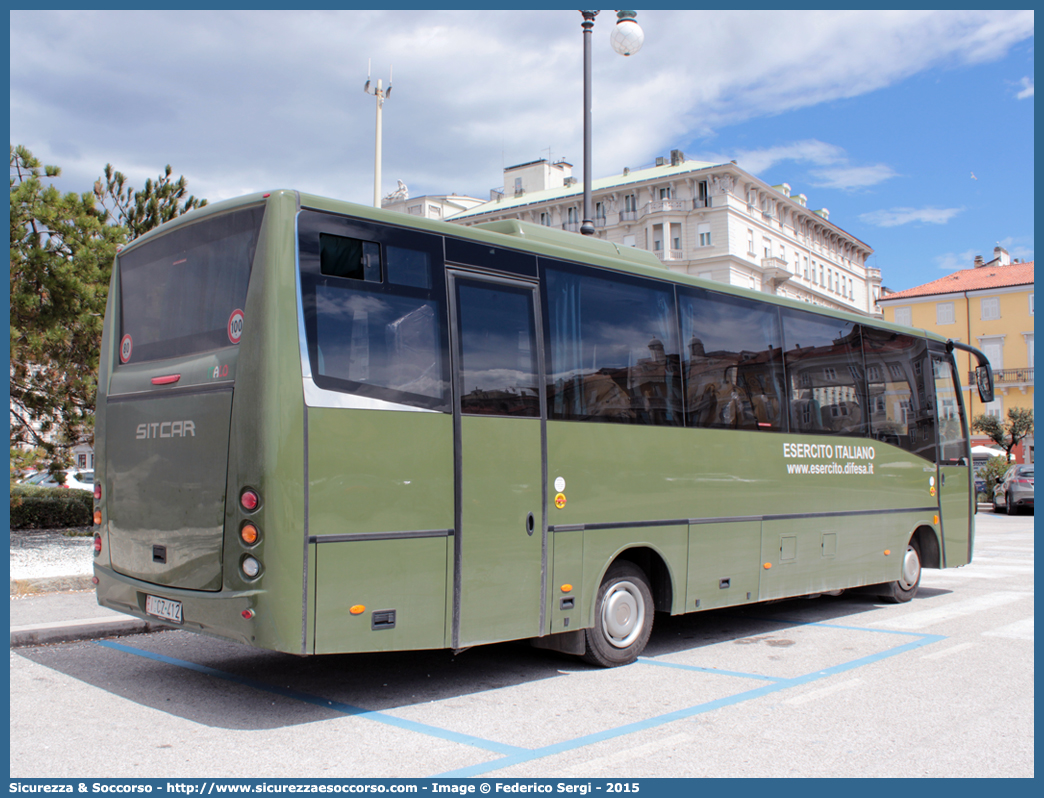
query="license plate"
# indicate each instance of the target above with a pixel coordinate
(163, 608)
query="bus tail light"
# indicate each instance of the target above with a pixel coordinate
(248, 614)
(97, 543)
(97, 491)
(249, 534)
(249, 500)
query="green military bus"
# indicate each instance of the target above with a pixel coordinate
(329, 428)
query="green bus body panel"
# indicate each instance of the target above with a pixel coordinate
(371, 473)
(567, 552)
(167, 459)
(501, 573)
(407, 576)
(616, 473)
(374, 471)
(723, 564)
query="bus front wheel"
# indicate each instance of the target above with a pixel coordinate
(905, 587)
(623, 617)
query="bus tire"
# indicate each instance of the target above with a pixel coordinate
(905, 587)
(623, 617)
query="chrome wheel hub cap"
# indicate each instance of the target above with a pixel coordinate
(623, 614)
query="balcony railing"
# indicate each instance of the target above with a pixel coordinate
(628, 216)
(660, 206)
(702, 203)
(1008, 378)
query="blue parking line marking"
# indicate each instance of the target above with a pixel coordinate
(715, 671)
(337, 706)
(683, 714)
(513, 755)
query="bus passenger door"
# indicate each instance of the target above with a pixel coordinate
(954, 480)
(501, 531)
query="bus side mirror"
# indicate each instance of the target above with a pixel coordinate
(984, 382)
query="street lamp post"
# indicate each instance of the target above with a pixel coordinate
(626, 39)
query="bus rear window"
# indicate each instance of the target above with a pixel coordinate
(180, 293)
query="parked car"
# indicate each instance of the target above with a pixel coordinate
(1015, 490)
(80, 480)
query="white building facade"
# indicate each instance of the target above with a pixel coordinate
(714, 221)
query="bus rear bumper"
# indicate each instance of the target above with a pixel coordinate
(225, 614)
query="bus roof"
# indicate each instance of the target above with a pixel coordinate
(533, 238)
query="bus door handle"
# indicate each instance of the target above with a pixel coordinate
(530, 524)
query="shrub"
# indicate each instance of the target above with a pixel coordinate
(34, 507)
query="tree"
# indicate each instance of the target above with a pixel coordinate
(62, 249)
(1009, 434)
(140, 211)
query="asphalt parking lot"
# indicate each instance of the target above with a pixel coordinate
(846, 686)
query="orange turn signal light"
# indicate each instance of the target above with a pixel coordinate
(887, 552)
(768, 565)
(249, 534)
(97, 517)
(567, 588)
(357, 609)
(935, 519)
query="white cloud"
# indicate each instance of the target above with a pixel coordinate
(951, 262)
(894, 217)
(851, 177)
(1027, 88)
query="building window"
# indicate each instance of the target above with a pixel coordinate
(806, 266)
(518, 185)
(703, 197)
(766, 245)
(1031, 303)
(821, 279)
(545, 219)
(630, 206)
(944, 313)
(990, 308)
(676, 242)
(665, 193)
(705, 234)
(995, 409)
(600, 211)
(628, 241)
(750, 242)
(904, 316)
(81, 461)
(1029, 347)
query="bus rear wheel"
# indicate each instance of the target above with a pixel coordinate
(905, 587)
(623, 617)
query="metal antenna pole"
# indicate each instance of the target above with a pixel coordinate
(381, 94)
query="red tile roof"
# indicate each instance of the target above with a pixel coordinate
(980, 279)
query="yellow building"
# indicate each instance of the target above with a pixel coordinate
(989, 306)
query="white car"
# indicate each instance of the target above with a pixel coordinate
(80, 480)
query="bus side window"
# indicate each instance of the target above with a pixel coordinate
(733, 368)
(614, 355)
(824, 361)
(340, 256)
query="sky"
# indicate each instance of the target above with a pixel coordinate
(914, 128)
